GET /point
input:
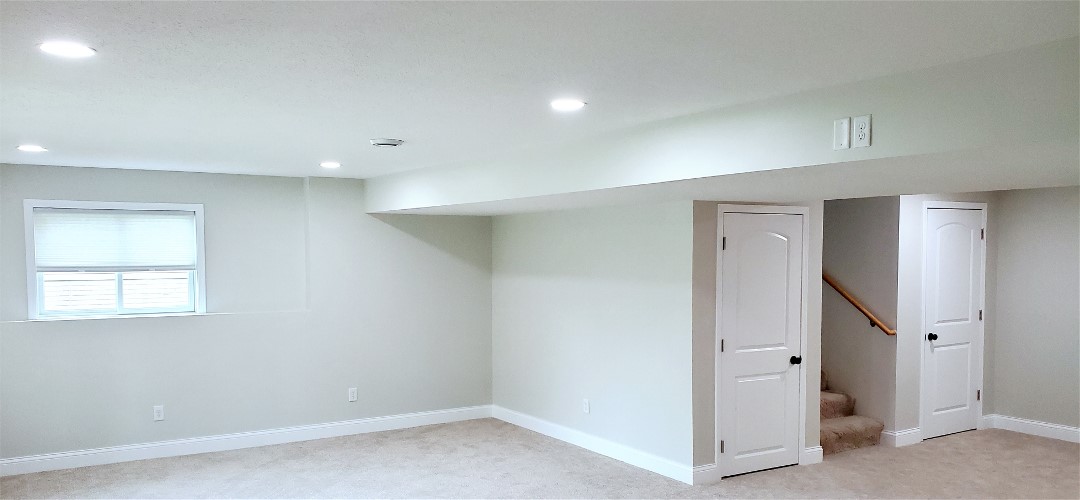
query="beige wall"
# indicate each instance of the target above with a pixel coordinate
(400, 308)
(704, 327)
(1032, 358)
(596, 304)
(860, 252)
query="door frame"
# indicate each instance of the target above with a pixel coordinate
(804, 314)
(981, 336)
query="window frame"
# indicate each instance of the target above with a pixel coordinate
(33, 290)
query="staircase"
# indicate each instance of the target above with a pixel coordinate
(841, 428)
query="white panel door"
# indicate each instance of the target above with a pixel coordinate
(952, 310)
(760, 323)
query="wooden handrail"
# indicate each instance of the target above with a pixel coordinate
(858, 305)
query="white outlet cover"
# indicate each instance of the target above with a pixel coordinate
(841, 133)
(860, 131)
(159, 413)
(352, 394)
(585, 405)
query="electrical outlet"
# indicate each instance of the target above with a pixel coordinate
(159, 413)
(352, 394)
(841, 133)
(585, 405)
(860, 131)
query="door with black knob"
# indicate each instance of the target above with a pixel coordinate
(759, 299)
(954, 250)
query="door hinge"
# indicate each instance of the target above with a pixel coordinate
(723, 243)
(721, 446)
(982, 234)
(721, 345)
(978, 395)
(980, 314)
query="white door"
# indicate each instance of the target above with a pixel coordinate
(952, 312)
(760, 327)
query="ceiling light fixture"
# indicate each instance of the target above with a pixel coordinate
(67, 49)
(567, 105)
(31, 148)
(329, 164)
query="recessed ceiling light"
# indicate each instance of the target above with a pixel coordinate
(31, 148)
(565, 105)
(329, 164)
(67, 49)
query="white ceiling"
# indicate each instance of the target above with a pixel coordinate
(276, 87)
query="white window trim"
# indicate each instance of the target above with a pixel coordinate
(31, 261)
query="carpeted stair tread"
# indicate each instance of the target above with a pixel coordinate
(848, 433)
(836, 405)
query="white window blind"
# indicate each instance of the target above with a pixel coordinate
(113, 261)
(113, 239)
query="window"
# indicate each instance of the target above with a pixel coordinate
(87, 259)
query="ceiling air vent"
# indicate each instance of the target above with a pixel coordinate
(386, 143)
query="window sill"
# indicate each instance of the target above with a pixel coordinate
(120, 316)
(145, 316)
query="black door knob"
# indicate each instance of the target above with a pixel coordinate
(932, 336)
(796, 360)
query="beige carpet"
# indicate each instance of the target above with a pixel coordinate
(488, 458)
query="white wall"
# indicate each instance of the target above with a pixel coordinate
(597, 304)
(704, 326)
(1032, 360)
(860, 251)
(1026, 138)
(260, 217)
(399, 307)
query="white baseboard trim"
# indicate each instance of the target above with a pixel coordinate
(707, 474)
(812, 455)
(1033, 427)
(632, 456)
(903, 437)
(224, 442)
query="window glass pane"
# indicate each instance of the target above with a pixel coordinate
(158, 290)
(78, 292)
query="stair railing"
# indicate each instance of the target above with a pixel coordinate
(874, 321)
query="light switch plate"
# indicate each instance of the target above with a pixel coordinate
(841, 133)
(860, 131)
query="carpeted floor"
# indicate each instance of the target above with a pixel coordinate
(488, 459)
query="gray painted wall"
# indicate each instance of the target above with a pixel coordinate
(400, 307)
(597, 304)
(1032, 358)
(860, 252)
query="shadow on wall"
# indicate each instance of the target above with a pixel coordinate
(440, 233)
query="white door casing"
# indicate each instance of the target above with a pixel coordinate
(954, 253)
(760, 326)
